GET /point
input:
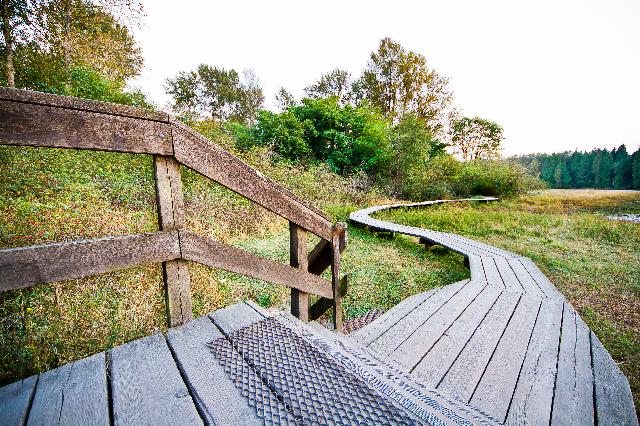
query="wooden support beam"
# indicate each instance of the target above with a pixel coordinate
(175, 273)
(335, 276)
(320, 256)
(26, 266)
(49, 126)
(323, 304)
(210, 252)
(298, 259)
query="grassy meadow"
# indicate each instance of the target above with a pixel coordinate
(52, 195)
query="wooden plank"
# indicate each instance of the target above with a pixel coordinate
(422, 339)
(234, 317)
(380, 325)
(175, 273)
(195, 151)
(39, 98)
(491, 272)
(546, 286)
(476, 270)
(323, 304)
(614, 401)
(531, 402)
(74, 394)
(147, 387)
(27, 266)
(298, 259)
(528, 283)
(464, 374)
(15, 401)
(573, 397)
(320, 256)
(209, 252)
(387, 342)
(335, 281)
(509, 278)
(37, 125)
(495, 389)
(218, 400)
(438, 360)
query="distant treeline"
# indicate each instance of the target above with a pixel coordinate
(600, 168)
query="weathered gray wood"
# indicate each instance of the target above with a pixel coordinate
(74, 394)
(422, 339)
(39, 98)
(320, 256)
(37, 125)
(175, 273)
(234, 317)
(218, 400)
(491, 272)
(198, 153)
(147, 387)
(217, 255)
(298, 259)
(27, 266)
(541, 279)
(614, 401)
(463, 376)
(15, 401)
(528, 283)
(476, 270)
(323, 304)
(371, 332)
(573, 397)
(335, 278)
(531, 402)
(494, 391)
(387, 342)
(438, 360)
(509, 278)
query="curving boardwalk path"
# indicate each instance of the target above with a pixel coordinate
(506, 341)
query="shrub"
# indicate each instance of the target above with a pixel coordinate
(494, 178)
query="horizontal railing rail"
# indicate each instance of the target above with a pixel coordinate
(42, 120)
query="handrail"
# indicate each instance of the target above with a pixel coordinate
(36, 119)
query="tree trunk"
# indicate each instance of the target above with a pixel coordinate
(66, 43)
(8, 37)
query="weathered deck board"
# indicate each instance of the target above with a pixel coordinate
(573, 398)
(15, 401)
(410, 351)
(234, 317)
(531, 402)
(74, 394)
(147, 387)
(438, 360)
(461, 379)
(491, 272)
(494, 391)
(216, 397)
(529, 285)
(509, 277)
(614, 401)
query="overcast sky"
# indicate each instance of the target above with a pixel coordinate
(556, 74)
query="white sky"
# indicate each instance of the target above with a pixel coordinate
(556, 74)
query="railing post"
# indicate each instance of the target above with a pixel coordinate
(175, 273)
(335, 275)
(299, 259)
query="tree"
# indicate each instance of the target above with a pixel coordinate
(399, 82)
(561, 176)
(635, 173)
(334, 83)
(15, 22)
(216, 92)
(285, 99)
(602, 169)
(621, 168)
(475, 138)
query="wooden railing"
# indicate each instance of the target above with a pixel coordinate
(42, 120)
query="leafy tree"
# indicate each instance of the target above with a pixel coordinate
(413, 146)
(561, 175)
(216, 92)
(621, 168)
(15, 25)
(285, 99)
(602, 169)
(335, 83)
(475, 138)
(283, 133)
(399, 82)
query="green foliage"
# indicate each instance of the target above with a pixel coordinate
(336, 83)
(636, 170)
(494, 177)
(283, 133)
(476, 138)
(217, 93)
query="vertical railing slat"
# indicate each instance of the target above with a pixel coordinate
(299, 259)
(175, 273)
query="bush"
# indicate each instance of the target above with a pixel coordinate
(494, 178)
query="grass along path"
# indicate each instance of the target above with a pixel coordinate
(593, 261)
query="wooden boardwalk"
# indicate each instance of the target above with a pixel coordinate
(505, 341)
